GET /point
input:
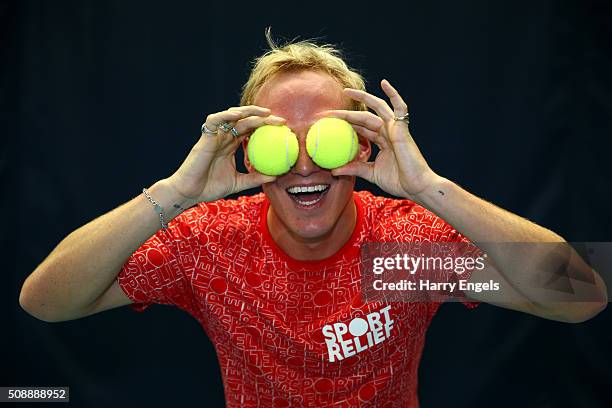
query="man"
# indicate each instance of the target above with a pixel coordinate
(274, 278)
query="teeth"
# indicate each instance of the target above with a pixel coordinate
(309, 189)
(309, 202)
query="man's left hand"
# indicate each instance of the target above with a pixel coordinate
(399, 168)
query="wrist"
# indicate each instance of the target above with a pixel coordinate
(171, 201)
(438, 187)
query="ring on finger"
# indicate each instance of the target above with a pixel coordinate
(206, 130)
(225, 126)
(403, 118)
(234, 132)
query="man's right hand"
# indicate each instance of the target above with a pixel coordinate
(209, 171)
(79, 277)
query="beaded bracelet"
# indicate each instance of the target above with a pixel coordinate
(158, 208)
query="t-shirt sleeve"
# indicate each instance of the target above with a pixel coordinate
(159, 270)
(464, 249)
(414, 223)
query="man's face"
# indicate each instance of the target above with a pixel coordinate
(298, 97)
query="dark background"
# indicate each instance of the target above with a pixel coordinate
(512, 100)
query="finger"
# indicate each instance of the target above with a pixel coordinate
(374, 137)
(215, 119)
(363, 118)
(244, 181)
(250, 110)
(375, 103)
(233, 114)
(257, 116)
(365, 170)
(243, 126)
(399, 106)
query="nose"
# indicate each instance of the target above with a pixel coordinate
(304, 166)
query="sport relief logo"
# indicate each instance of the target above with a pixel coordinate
(345, 341)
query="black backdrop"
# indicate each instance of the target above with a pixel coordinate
(100, 98)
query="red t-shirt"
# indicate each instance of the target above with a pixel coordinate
(269, 315)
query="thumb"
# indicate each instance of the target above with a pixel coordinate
(244, 181)
(365, 170)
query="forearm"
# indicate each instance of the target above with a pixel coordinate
(491, 228)
(529, 268)
(479, 220)
(85, 263)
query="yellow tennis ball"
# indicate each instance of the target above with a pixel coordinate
(273, 149)
(331, 142)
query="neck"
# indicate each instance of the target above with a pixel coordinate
(313, 249)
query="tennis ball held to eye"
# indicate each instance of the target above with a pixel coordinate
(331, 143)
(273, 149)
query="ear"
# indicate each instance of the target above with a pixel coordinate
(365, 149)
(247, 163)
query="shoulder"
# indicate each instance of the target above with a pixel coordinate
(243, 206)
(395, 218)
(242, 212)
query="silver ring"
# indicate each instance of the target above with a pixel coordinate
(205, 129)
(225, 126)
(403, 118)
(234, 132)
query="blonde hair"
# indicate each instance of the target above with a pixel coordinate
(297, 56)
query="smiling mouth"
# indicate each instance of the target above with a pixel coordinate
(308, 196)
